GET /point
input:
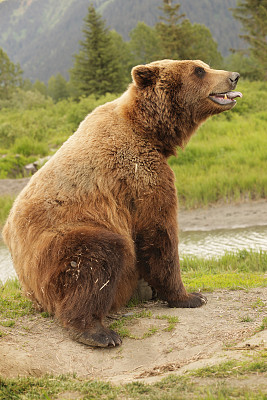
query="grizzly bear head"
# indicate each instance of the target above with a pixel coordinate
(172, 98)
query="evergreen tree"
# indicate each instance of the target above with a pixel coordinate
(170, 11)
(144, 44)
(245, 65)
(10, 76)
(169, 29)
(27, 85)
(198, 44)
(122, 49)
(183, 40)
(40, 87)
(97, 67)
(57, 88)
(253, 16)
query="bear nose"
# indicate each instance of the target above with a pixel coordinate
(234, 79)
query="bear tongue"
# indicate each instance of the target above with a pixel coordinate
(233, 95)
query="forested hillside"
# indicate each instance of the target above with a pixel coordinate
(43, 35)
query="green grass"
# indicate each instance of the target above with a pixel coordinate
(12, 165)
(46, 123)
(247, 318)
(173, 387)
(27, 147)
(241, 261)
(263, 325)
(231, 281)
(241, 270)
(123, 324)
(172, 321)
(30, 129)
(235, 367)
(5, 206)
(13, 304)
(225, 161)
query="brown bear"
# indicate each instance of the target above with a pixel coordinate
(102, 212)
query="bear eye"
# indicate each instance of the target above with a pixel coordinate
(200, 72)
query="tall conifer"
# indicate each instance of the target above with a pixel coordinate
(97, 67)
(10, 75)
(253, 16)
(169, 29)
(180, 39)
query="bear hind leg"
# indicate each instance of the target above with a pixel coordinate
(90, 265)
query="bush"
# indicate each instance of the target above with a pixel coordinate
(28, 147)
(7, 134)
(12, 166)
(26, 100)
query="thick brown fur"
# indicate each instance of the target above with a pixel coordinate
(102, 212)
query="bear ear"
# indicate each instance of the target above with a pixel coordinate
(145, 75)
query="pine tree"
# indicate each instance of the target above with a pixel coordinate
(253, 16)
(198, 44)
(169, 29)
(10, 75)
(183, 40)
(171, 17)
(39, 86)
(97, 67)
(57, 88)
(144, 44)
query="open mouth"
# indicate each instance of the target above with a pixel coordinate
(225, 98)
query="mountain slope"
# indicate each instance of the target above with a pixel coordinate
(43, 36)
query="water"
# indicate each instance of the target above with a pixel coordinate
(197, 243)
(6, 267)
(217, 242)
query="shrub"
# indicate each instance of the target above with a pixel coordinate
(28, 147)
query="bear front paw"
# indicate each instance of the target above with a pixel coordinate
(102, 337)
(192, 300)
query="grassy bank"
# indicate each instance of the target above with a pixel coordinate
(242, 270)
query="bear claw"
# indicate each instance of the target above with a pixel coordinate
(101, 338)
(192, 300)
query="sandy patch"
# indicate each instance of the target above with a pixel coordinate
(36, 345)
(224, 216)
(11, 187)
